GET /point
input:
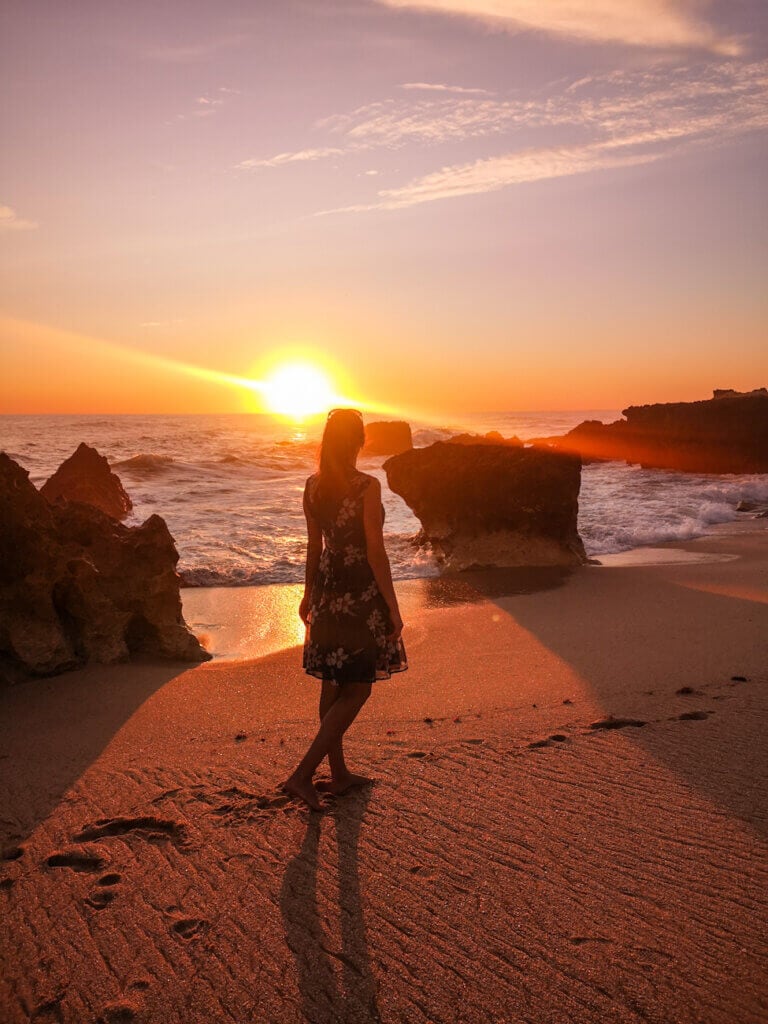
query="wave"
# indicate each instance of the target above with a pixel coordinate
(423, 438)
(633, 507)
(145, 463)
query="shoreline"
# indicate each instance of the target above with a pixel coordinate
(569, 819)
(240, 623)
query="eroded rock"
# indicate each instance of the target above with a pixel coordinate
(387, 438)
(492, 504)
(725, 434)
(78, 586)
(85, 476)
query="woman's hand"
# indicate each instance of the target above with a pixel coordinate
(304, 609)
(397, 626)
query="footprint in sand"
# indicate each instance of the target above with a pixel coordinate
(685, 691)
(189, 927)
(111, 879)
(579, 940)
(77, 860)
(100, 898)
(416, 753)
(617, 723)
(120, 1012)
(694, 716)
(147, 826)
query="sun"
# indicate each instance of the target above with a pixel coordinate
(298, 390)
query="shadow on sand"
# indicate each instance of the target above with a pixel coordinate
(76, 714)
(336, 985)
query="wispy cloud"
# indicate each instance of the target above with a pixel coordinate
(625, 119)
(496, 173)
(208, 104)
(300, 156)
(652, 23)
(393, 123)
(10, 221)
(439, 87)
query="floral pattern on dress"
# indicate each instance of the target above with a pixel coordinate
(349, 621)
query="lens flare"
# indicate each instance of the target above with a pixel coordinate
(298, 389)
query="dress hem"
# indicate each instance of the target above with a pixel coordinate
(381, 675)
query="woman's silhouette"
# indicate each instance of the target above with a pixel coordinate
(349, 606)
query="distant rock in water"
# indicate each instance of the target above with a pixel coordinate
(492, 505)
(86, 476)
(77, 586)
(387, 438)
(492, 437)
(725, 434)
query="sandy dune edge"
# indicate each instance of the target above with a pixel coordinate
(153, 871)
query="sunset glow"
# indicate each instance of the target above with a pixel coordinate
(297, 390)
(443, 205)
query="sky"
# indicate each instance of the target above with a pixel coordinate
(448, 205)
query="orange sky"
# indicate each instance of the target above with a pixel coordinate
(566, 212)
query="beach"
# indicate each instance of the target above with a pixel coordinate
(568, 820)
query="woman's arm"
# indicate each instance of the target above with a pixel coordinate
(314, 550)
(377, 554)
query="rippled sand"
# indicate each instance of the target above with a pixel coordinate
(568, 824)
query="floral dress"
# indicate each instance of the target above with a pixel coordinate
(346, 638)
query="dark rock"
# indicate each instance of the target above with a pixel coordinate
(387, 438)
(85, 476)
(730, 393)
(77, 586)
(728, 434)
(492, 437)
(492, 505)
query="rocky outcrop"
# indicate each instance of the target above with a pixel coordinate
(730, 393)
(85, 476)
(78, 586)
(387, 438)
(492, 504)
(492, 437)
(726, 434)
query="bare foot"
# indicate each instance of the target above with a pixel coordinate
(343, 783)
(304, 791)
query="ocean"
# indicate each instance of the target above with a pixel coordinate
(230, 486)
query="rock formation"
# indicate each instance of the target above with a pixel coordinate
(86, 476)
(492, 437)
(725, 434)
(78, 586)
(387, 438)
(492, 504)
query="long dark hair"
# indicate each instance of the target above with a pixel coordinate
(343, 436)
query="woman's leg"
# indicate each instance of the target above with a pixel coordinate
(342, 778)
(328, 694)
(337, 719)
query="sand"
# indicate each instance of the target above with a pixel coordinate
(513, 861)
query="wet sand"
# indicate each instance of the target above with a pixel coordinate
(569, 820)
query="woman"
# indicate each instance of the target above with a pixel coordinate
(349, 606)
